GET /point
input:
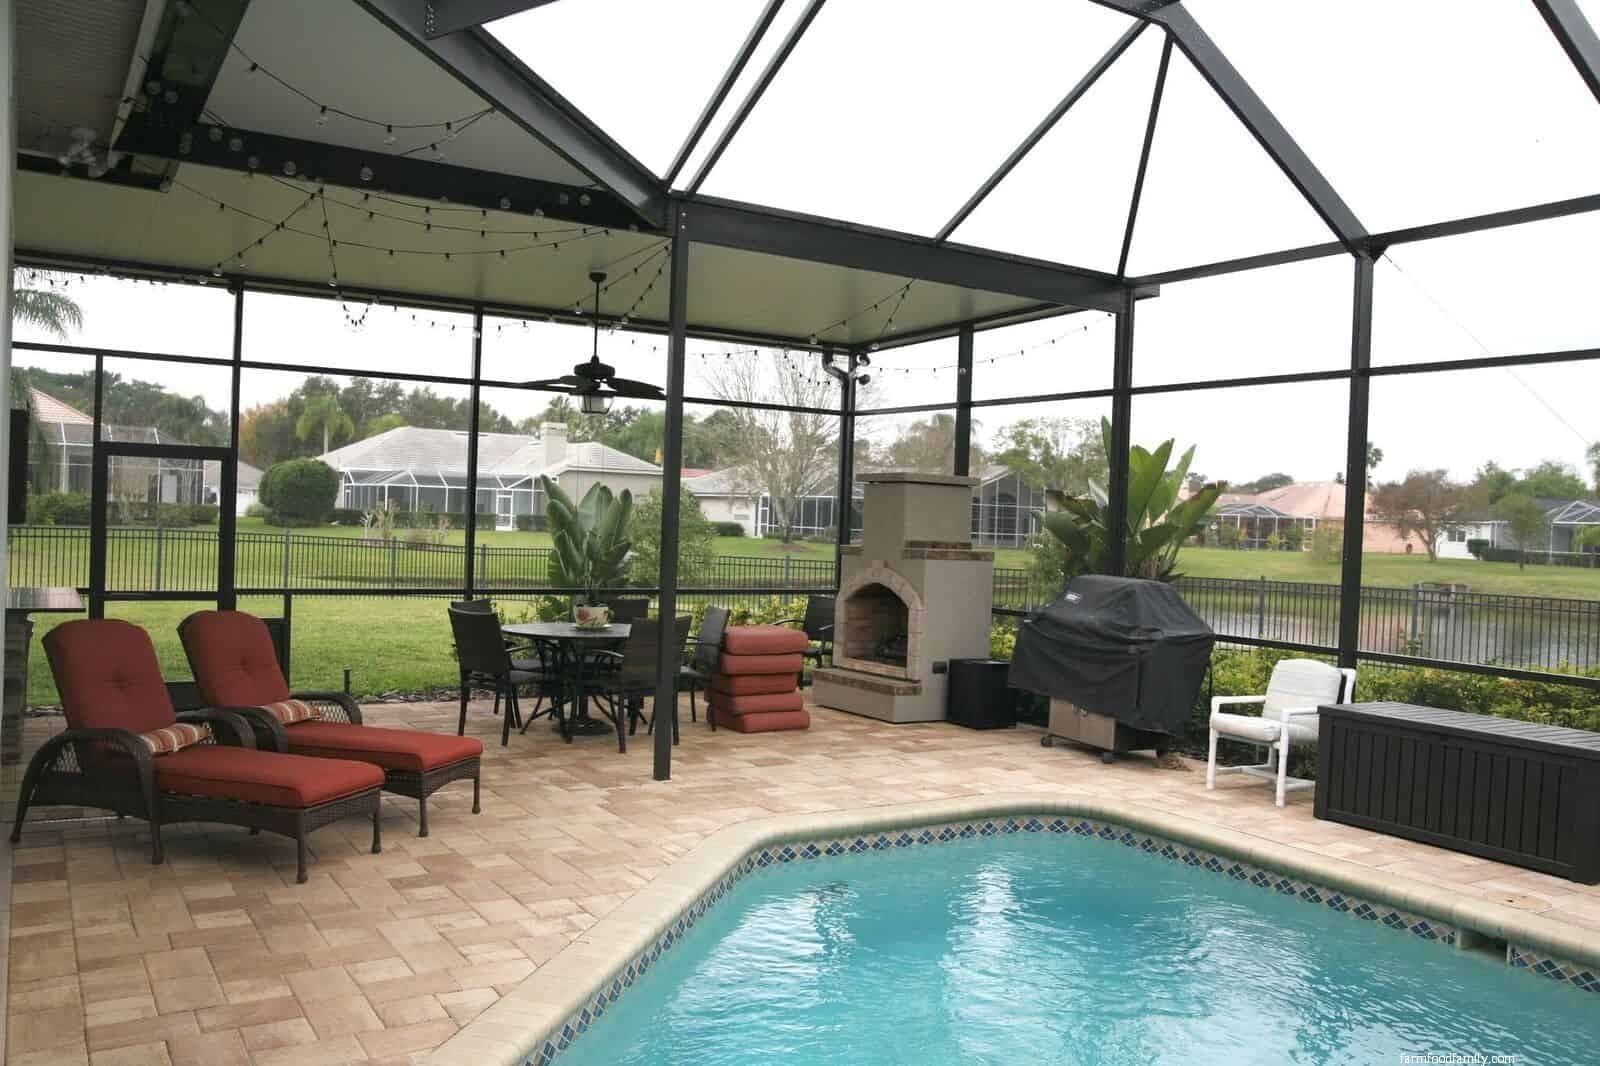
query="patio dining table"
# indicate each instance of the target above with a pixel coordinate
(575, 645)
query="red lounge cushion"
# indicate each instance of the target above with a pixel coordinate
(753, 684)
(760, 664)
(108, 676)
(742, 705)
(763, 640)
(233, 659)
(392, 749)
(266, 777)
(767, 722)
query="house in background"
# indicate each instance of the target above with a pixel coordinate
(246, 486)
(1567, 520)
(61, 457)
(1004, 507)
(1307, 504)
(426, 470)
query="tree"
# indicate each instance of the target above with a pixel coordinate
(1526, 523)
(53, 312)
(928, 445)
(1374, 456)
(1065, 454)
(786, 455)
(322, 414)
(1427, 503)
(1265, 483)
(1593, 455)
(697, 540)
(1493, 482)
(1552, 480)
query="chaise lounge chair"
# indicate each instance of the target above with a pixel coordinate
(234, 665)
(125, 750)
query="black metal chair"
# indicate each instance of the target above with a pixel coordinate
(818, 627)
(624, 689)
(527, 655)
(630, 609)
(704, 652)
(483, 659)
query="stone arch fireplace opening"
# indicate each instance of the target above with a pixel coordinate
(880, 626)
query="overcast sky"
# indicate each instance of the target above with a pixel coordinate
(1415, 112)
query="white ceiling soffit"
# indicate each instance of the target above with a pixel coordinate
(730, 290)
(339, 55)
(73, 59)
(797, 298)
(184, 228)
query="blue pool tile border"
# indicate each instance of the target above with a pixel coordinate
(553, 1044)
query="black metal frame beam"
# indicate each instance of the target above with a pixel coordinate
(1355, 464)
(1576, 37)
(1151, 120)
(757, 91)
(470, 519)
(740, 60)
(440, 17)
(759, 229)
(680, 217)
(844, 484)
(1249, 109)
(488, 69)
(1121, 441)
(272, 155)
(963, 456)
(1075, 94)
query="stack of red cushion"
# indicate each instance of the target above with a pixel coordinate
(757, 685)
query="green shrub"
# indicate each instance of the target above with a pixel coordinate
(1476, 546)
(529, 523)
(259, 510)
(58, 509)
(204, 514)
(300, 490)
(728, 529)
(697, 541)
(1229, 535)
(1294, 538)
(1327, 542)
(346, 516)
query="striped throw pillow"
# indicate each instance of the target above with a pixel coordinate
(291, 711)
(175, 737)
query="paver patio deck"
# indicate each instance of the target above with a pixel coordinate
(218, 957)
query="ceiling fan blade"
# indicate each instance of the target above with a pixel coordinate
(637, 389)
(553, 384)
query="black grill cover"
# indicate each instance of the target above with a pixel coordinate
(1117, 646)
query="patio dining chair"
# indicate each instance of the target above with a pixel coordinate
(704, 650)
(527, 655)
(1296, 689)
(482, 656)
(818, 627)
(624, 689)
(630, 609)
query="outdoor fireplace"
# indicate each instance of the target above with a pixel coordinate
(913, 593)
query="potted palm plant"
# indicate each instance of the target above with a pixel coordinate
(590, 545)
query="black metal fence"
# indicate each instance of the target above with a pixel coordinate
(1437, 622)
(152, 559)
(1427, 621)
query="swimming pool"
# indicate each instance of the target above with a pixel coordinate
(1050, 947)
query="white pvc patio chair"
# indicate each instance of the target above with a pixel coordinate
(1288, 717)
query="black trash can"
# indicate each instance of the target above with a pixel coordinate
(976, 694)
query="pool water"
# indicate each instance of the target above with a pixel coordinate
(1040, 948)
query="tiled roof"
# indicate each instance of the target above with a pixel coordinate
(415, 448)
(46, 408)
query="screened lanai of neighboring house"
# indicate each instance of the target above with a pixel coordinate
(1007, 212)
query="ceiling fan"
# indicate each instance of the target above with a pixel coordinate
(595, 383)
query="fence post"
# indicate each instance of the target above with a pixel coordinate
(394, 563)
(483, 566)
(1413, 635)
(788, 579)
(1261, 607)
(161, 544)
